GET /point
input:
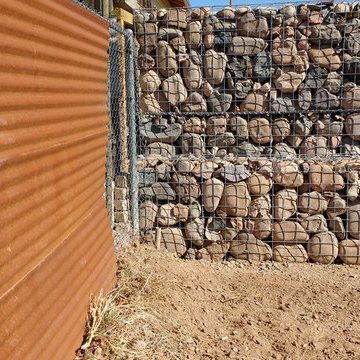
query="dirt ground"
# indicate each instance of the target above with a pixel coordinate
(185, 309)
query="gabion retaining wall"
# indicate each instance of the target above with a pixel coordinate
(250, 132)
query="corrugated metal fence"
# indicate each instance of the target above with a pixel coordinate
(55, 236)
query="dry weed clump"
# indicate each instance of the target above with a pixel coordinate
(122, 324)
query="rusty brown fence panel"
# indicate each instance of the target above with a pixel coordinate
(55, 236)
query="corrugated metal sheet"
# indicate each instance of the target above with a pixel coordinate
(55, 237)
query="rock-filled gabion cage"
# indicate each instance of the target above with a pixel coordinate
(249, 139)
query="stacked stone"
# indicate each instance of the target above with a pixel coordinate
(300, 61)
(245, 113)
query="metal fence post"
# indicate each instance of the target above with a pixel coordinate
(131, 116)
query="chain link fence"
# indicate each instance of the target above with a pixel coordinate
(249, 135)
(121, 177)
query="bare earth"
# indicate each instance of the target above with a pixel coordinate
(200, 310)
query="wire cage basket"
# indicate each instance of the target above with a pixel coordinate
(250, 128)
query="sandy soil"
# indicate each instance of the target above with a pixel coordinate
(241, 310)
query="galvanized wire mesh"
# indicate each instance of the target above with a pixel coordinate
(249, 136)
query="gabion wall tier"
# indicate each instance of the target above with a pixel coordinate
(249, 137)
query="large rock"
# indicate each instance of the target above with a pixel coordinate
(163, 191)
(247, 247)
(193, 35)
(239, 126)
(289, 232)
(192, 75)
(324, 178)
(214, 66)
(216, 125)
(325, 35)
(219, 102)
(262, 66)
(314, 146)
(149, 104)
(282, 105)
(170, 214)
(242, 88)
(349, 251)
(285, 204)
(255, 101)
(352, 126)
(194, 103)
(323, 247)
(314, 223)
(287, 174)
(153, 133)
(336, 206)
(194, 125)
(312, 203)
(262, 226)
(175, 17)
(147, 215)
(284, 151)
(336, 225)
(204, 169)
(160, 149)
(192, 144)
(212, 193)
(222, 141)
(149, 81)
(248, 24)
(260, 130)
(288, 81)
(283, 51)
(145, 62)
(235, 200)
(280, 129)
(169, 34)
(172, 239)
(290, 253)
(234, 173)
(324, 100)
(353, 217)
(186, 187)
(146, 35)
(316, 76)
(333, 82)
(167, 62)
(259, 183)
(178, 44)
(241, 67)
(194, 231)
(174, 90)
(351, 97)
(246, 46)
(217, 250)
(352, 42)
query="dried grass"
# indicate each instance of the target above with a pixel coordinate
(122, 325)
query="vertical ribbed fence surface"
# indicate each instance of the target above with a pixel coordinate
(55, 236)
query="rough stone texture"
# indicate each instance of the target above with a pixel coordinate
(349, 251)
(312, 203)
(314, 223)
(212, 190)
(147, 215)
(289, 232)
(285, 204)
(323, 178)
(290, 253)
(194, 231)
(172, 239)
(235, 200)
(247, 247)
(323, 247)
